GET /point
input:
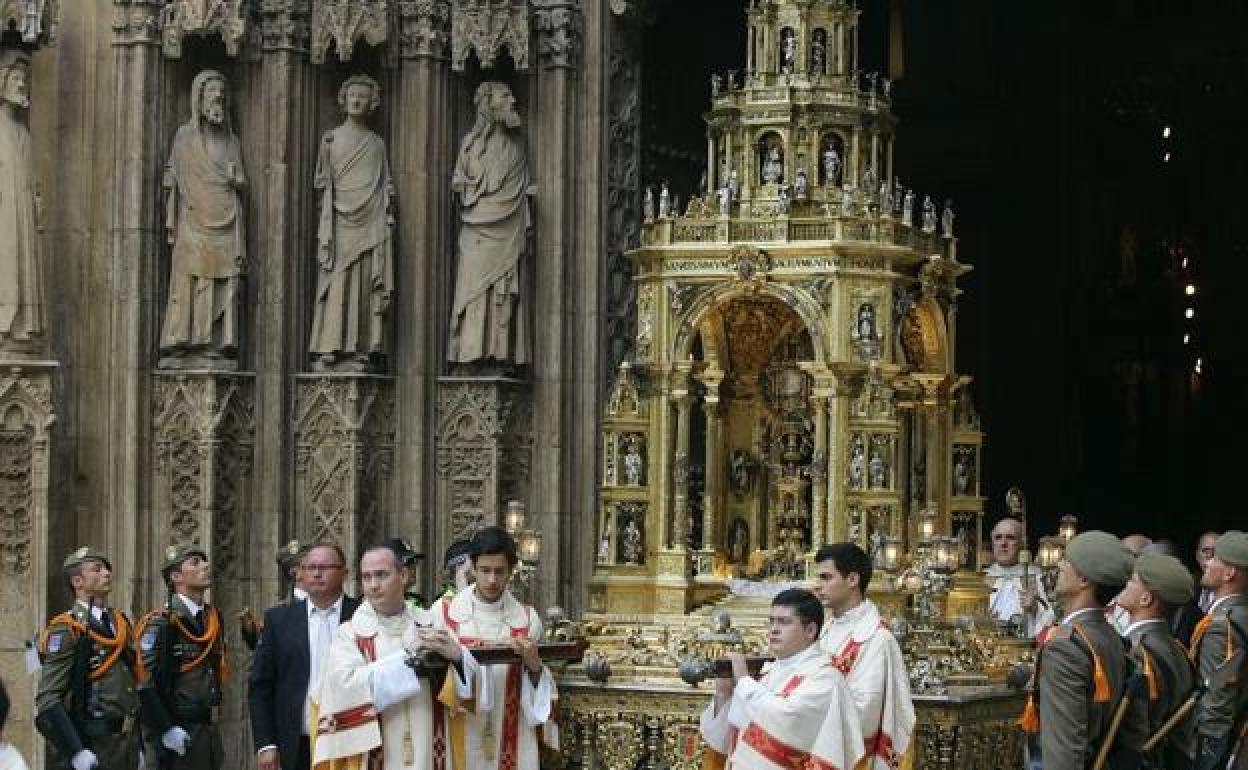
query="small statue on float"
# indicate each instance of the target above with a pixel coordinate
(773, 165)
(929, 215)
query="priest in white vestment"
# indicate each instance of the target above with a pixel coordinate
(866, 652)
(1015, 600)
(373, 712)
(799, 713)
(511, 710)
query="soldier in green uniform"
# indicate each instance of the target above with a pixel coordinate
(1081, 671)
(183, 666)
(86, 702)
(1159, 586)
(1220, 714)
(289, 558)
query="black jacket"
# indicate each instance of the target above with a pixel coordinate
(278, 685)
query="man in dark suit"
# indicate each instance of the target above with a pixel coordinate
(290, 659)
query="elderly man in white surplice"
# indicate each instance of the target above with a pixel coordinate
(355, 238)
(204, 219)
(489, 315)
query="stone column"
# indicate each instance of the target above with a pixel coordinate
(26, 418)
(137, 230)
(282, 202)
(344, 440)
(564, 340)
(421, 159)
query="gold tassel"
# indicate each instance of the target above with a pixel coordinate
(1030, 721)
(1154, 692)
(1101, 693)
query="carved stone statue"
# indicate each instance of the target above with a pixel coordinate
(633, 463)
(929, 215)
(489, 314)
(734, 184)
(946, 219)
(784, 199)
(741, 471)
(725, 200)
(877, 469)
(788, 51)
(818, 52)
(604, 547)
(886, 199)
(961, 475)
(717, 82)
(831, 166)
(773, 165)
(665, 202)
(355, 237)
(647, 205)
(204, 221)
(630, 542)
(22, 325)
(870, 180)
(907, 208)
(801, 185)
(858, 466)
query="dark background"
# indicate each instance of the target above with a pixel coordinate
(1044, 123)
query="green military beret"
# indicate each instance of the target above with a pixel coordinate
(1100, 557)
(84, 554)
(176, 554)
(1232, 548)
(1166, 577)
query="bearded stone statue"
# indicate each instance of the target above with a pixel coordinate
(22, 323)
(204, 221)
(490, 310)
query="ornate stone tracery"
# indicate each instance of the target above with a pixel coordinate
(487, 28)
(343, 23)
(344, 435)
(224, 18)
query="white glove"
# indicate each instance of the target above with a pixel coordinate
(84, 760)
(176, 740)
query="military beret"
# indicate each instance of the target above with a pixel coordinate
(1232, 548)
(176, 554)
(84, 554)
(289, 553)
(1100, 557)
(456, 552)
(1166, 577)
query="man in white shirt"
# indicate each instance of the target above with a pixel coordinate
(290, 660)
(866, 652)
(373, 709)
(513, 706)
(798, 714)
(1012, 601)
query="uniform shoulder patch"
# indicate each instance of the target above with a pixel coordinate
(55, 642)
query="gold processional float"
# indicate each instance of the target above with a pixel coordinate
(792, 384)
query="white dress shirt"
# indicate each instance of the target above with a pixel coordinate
(321, 627)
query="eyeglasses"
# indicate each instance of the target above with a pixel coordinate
(320, 567)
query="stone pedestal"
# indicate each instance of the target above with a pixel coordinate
(26, 417)
(204, 436)
(344, 458)
(484, 453)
